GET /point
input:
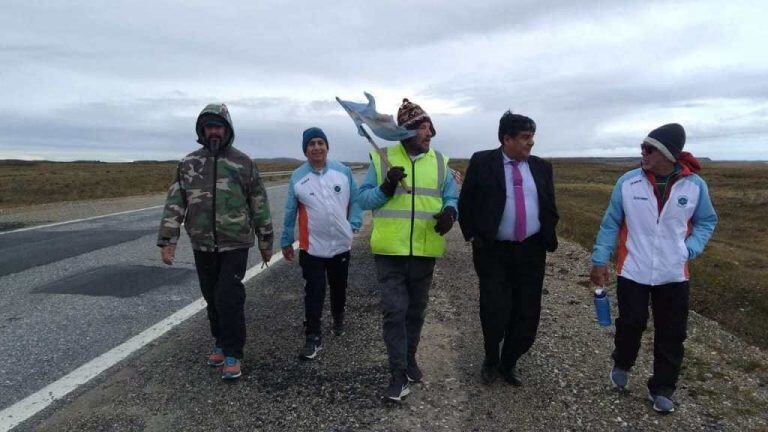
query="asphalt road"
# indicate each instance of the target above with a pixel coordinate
(74, 291)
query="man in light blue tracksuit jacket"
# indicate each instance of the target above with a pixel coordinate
(661, 216)
(324, 195)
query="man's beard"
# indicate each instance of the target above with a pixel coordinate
(417, 147)
(214, 144)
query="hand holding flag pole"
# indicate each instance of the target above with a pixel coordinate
(383, 155)
(382, 125)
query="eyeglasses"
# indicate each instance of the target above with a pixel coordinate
(647, 149)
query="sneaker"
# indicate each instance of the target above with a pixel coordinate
(312, 347)
(620, 378)
(338, 325)
(231, 369)
(398, 387)
(489, 372)
(412, 371)
(216, 358)
(661, 404)
(512, 376)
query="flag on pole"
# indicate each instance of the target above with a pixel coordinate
(382, 125)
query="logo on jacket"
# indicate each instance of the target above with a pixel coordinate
(682, 201)
(337, 188)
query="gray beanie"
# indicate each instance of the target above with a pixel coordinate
(669, 139)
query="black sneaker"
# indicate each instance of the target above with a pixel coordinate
(512, 376)
(489, 372)
(398, 387)
(312, 347)
(338, 325)
(412, 371)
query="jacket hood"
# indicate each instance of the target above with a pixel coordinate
(219, 111)
(688, 163)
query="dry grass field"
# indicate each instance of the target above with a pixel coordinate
(730, 280)
(28, 183)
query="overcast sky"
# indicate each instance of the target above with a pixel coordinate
(120, 81)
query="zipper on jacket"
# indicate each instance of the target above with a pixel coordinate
(659, 207)
(664, 198)
(667, 192)
(213, 206)
(413, 201)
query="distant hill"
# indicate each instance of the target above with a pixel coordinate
(612, 160)
(280, 160)
(19, 162)
(605, 160)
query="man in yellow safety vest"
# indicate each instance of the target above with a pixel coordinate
(408, 230)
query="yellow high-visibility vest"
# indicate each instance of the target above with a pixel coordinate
(405, 225)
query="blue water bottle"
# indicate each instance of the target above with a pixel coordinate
(602, 307)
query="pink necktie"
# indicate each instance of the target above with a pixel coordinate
(517, 182)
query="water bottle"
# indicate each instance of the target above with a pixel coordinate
(602, 307)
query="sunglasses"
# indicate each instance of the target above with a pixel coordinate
(647, 149)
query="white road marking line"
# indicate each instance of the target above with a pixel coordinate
(79, 220)
(36, 402)
(96, 217)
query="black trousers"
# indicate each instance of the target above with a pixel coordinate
(511, 277)
(221, 281)
(314, 270)
(670, 321)
(404, 283)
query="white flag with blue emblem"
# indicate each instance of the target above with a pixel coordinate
(382, 125)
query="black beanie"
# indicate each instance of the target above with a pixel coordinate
(313, 132)
(669, 139)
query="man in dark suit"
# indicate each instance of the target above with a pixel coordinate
(507, 209)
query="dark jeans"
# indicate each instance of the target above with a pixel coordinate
(314, 270)
(404, 282)
(221, 281)
(670, 320)
(511, 277)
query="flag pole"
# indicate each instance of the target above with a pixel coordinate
(378, 149)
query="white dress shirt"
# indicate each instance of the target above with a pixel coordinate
(532, 225)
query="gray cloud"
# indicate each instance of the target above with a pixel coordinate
(125, 80)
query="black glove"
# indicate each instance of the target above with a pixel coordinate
(445, 220)
(394, 175)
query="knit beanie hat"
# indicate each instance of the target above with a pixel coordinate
(410, 116)
(668, 139)
(313, 132)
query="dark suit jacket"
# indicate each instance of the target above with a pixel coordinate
(484, 194)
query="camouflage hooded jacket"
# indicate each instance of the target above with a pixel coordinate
(219, 198)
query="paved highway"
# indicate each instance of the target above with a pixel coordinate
(73, 291)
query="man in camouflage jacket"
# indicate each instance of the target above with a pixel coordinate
(219, 197)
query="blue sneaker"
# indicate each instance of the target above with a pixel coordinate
(231, 369)
(661, 404)
(216, 358)
(620, 378)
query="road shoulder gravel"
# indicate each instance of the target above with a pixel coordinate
(724, 383)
